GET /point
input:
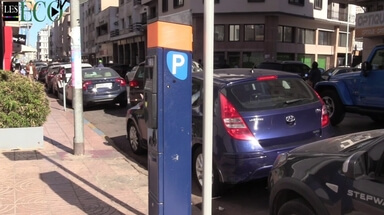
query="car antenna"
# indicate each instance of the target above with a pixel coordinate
(252, 70)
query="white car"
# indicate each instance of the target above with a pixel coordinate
(57, 81)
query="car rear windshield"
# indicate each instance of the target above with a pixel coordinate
(99, 73)
(271, 94)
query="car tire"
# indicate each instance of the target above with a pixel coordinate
(334, 106)
(218, 188)
(56, 91)
(134, 139)
(297, 207)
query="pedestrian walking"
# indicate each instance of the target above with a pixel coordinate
(23, 71)
(314, 75)
(100, 63)
(31, 70)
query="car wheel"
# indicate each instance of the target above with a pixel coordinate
(134, 139)
(56, 92)
(50, 89)
(218, 187)
(334, 106)
(296, 207)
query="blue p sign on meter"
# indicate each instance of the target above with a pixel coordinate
(177, 63)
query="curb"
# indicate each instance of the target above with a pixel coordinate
(136, 166)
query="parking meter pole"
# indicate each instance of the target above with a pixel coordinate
(77, 79)
(168, 114)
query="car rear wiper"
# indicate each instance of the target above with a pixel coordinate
(293, 101)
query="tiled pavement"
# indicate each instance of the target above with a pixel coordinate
(52, 180)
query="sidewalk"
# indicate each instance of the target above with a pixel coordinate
(52, 180)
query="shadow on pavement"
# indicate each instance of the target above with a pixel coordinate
(89, 203)
(120, 143)
(75, 195)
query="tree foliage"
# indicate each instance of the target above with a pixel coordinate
(23, 103)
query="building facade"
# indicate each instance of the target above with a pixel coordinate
(97, 18)
(42, 45)
(60, 38)
(246, 33)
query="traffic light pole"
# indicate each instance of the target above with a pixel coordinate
(77, 79)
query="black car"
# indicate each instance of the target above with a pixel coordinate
(122, 69)
(326, 75)
(297, 67)
(339, 175)
(101, 85)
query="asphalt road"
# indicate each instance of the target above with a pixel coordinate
(244, 199)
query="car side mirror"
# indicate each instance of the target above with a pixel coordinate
(365, 68)
(355, 165)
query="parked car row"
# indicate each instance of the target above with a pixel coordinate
(271, 124)
(259, 114)
(100, 85)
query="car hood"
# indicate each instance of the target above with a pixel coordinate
(340, 144)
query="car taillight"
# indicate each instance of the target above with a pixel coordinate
(133, 83)
(233, 122)
(324, 112)
(86, 84)
(121, 81)
(267, 78)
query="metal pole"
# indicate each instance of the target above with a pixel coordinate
(64, 99)
(347, 46)
(208, 107)
(77, 79)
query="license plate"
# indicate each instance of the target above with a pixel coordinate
(104, 85)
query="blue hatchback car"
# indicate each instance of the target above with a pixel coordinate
(258, 114)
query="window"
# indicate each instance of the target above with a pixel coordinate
(234, 32)
(219, 32)
(325, 38)
(178, 3)
(342, 40)
(122, 23)
(305, 36)
(165, 6)
(250, 59)
(253, 32)
(318, 4)
(285, 34)
(296, 2)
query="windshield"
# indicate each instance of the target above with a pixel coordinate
(271, 94)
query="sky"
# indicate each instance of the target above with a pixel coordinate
(36, 25)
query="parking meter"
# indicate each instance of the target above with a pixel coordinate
(168, 116)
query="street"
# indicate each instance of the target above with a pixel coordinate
(248, 198)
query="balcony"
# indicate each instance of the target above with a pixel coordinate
(136, 27)
(114, 33)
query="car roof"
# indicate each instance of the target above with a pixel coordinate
(69, 65)
(230, 75)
